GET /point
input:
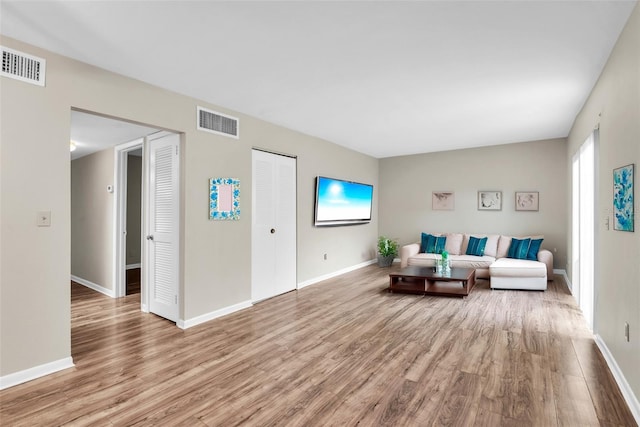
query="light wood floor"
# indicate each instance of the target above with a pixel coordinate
(339, 353)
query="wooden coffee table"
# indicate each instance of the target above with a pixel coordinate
(424, 280)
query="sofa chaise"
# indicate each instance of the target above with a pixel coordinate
(509, 262)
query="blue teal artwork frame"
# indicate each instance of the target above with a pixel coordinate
(623, 198)
(224, 199)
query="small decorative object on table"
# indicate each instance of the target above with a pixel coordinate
(443, 265)
(446, 265)
(387, 251)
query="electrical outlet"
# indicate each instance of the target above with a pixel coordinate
(43, 219)
(626, 331)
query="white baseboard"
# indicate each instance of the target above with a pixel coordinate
(185, 324)
(625, 388)
(132, 266)
(335, 274)
(568, 282)
(35, 372)
(108, 292)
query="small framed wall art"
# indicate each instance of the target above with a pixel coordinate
(442, 200)
(623, 210)
(224, 199)
(527, 201)
(489, 200)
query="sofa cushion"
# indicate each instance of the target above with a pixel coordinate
(423, 260)
(503, 246)
(431, 244)
(454, 243)
(476, 246)
(491, 248)
(471, 261)
(507, 267)
(519, 248)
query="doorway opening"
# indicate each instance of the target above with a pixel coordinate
(114, 201)
(134, 222)
(128, 263)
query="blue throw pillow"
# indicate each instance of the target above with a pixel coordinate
(534, 247)
(435, 244)
(423, 242)
(476, 246)
(519, 248)
(431, 244)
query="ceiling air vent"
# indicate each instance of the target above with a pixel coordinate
(23, 67)
(211, 121)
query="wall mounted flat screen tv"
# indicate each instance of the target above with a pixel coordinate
(340, 202)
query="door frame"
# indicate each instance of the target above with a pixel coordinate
(121, 153)
(585, 286)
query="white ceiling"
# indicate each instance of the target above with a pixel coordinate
(91, 133)
(384, 78)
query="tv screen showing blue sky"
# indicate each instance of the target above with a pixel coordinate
(342, 200)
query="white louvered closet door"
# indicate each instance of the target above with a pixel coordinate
(162, 238)
(273, 231)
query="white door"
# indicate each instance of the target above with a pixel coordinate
(273, 233)
(162, 248)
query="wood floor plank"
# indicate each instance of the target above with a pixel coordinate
(573, 402)
(341, 352)
(605, 394)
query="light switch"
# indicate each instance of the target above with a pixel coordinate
(44, 219)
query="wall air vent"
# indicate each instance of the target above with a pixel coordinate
(23, 67)
(214, 122)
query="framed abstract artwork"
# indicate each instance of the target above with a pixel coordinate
(623, 212)
(489, 200)
(527, 201)
(224, 199)
(442, 200)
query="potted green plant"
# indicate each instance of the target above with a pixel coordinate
(387, 251)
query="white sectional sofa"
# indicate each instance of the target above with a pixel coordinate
(494, 264)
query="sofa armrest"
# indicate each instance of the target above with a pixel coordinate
(546, 257)
(406, 252)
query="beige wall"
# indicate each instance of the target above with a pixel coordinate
(407, 184)
(616, 99)
(35, 175)
(134, 206)
(34, 261)
(217, 253)
(92, 218)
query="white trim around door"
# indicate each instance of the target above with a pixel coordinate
(120, 213)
